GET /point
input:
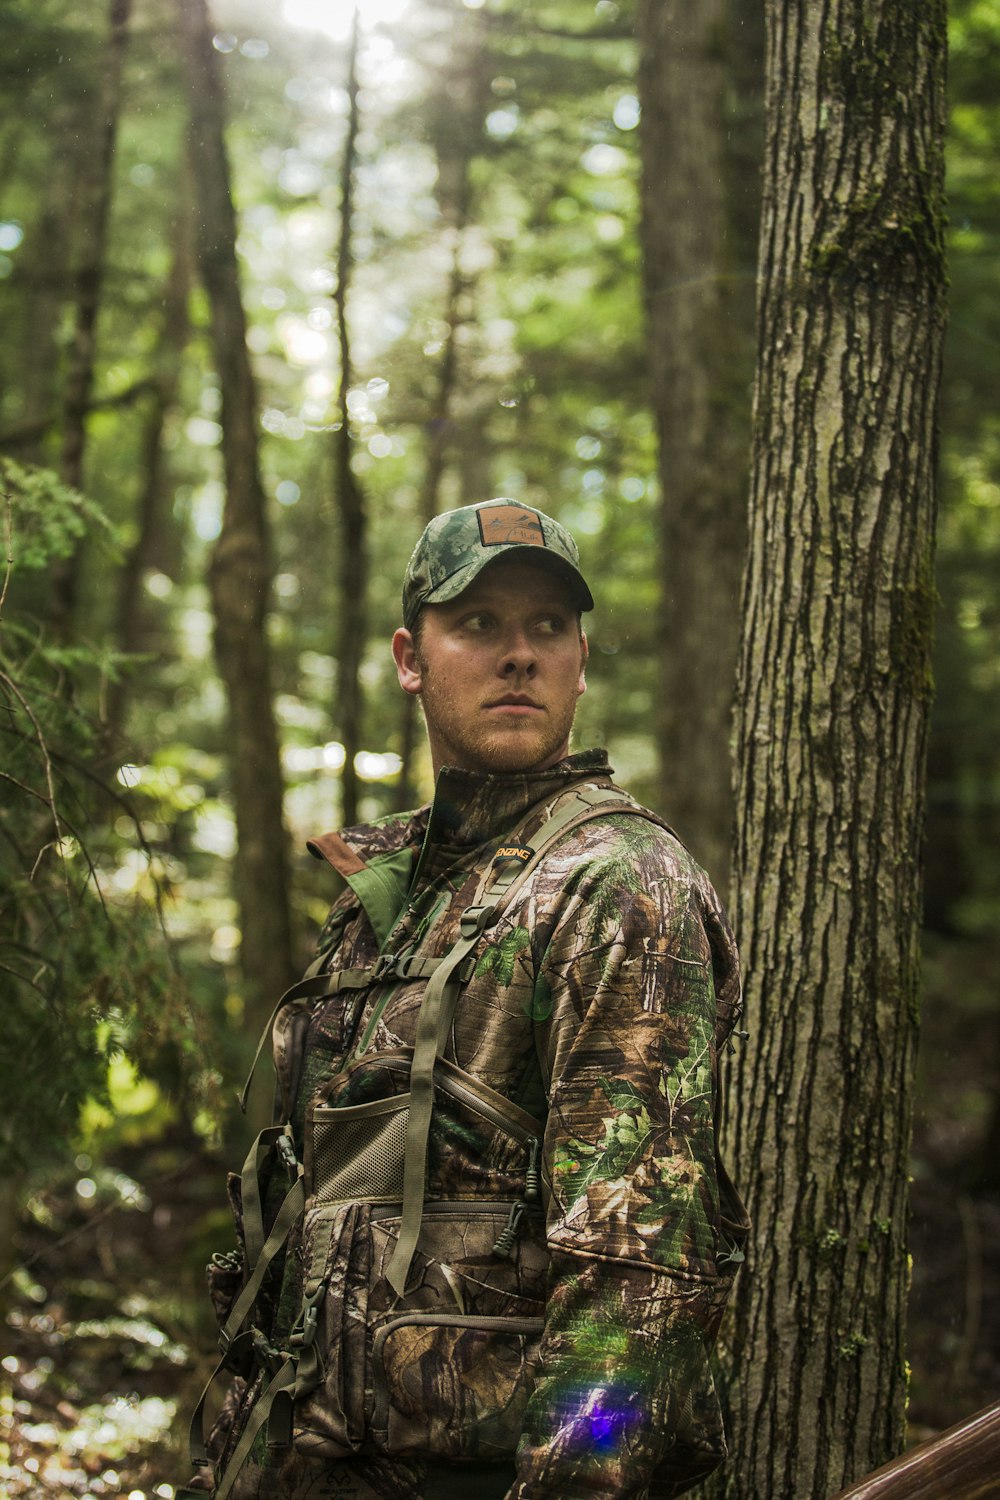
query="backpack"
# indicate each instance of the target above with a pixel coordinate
(372, 1159)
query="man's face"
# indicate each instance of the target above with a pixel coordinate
(498, 670)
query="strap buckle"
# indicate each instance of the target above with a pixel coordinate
(475, 919)
(267, 1356)
(384, 966)
(286, 1154)
(303, 1335)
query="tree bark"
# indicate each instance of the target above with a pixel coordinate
(173, 337)
(831, 725)
(350, 500)
(240, 575)
(699, 214)
(92, 247)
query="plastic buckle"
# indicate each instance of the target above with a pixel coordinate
(385, 967)
(475, 919)
(267, 1356)
(303, 1335)
(286, 1155)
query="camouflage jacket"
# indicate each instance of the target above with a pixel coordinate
(590, 1026)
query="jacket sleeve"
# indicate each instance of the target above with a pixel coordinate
(635, 976)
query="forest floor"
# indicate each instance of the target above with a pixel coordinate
(109, 1337)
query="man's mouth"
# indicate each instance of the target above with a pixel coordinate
(515, 701)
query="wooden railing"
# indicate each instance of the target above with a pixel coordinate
(960, 1464)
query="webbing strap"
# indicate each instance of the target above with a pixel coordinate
(291, 1207)
(260, 1252)
(313, 986)
(277, 1140)
(284, 1380)
(300, 1373)
(495, 890)
(435, 1017)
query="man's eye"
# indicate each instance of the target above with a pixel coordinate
(552, 625)
(478, 622)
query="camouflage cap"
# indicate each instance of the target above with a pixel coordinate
(458, 544)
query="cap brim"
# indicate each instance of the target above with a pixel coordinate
(456, 583)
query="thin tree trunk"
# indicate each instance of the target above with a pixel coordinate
(832, 706)
(350, 500)
(241, 574)
(91, 252)
(700, 335)
(456, 150)
(42, 287)
(172, 340)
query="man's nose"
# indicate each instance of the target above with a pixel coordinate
(519, 657)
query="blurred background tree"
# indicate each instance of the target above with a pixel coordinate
(504, 338)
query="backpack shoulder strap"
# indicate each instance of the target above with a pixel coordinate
(495, 891)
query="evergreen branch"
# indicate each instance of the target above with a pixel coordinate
(15, 691)
(24, 978)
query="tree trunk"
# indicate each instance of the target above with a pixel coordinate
(699, 192)
(353, 572)
(457, 144)
(172, 340)
(42, 286)
(95, 211)
(241, 573)
(832, 701)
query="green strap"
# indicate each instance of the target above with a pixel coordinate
(261, 1251)
(495, 890)
(312, 985)
(300, 1373)
(291, 1207)
(435, 1016)
(284, 1380)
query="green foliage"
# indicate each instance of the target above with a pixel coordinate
(86, 972)
(496, 208)
(44, 518)
(964, 791)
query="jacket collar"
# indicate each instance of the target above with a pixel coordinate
(469, 809)
(384, 862)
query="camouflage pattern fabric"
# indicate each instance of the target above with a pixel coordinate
(593, 1020)
(458, 544)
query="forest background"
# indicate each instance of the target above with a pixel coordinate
(442, 288)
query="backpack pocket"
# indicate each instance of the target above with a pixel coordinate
(330, 1420)
(451, 1385)
(445, 1371)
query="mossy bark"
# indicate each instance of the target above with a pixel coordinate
(833, 692)
(700, 93)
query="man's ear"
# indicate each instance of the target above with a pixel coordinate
(584, 654)
(404, 654)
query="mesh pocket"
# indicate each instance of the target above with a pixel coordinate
(358, 1152)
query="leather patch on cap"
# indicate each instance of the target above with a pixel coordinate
(499, 525)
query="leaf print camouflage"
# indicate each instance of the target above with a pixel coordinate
(597, 1004)
(636, 1178)
(499, 959)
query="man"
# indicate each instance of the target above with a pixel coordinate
(503, 1268)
